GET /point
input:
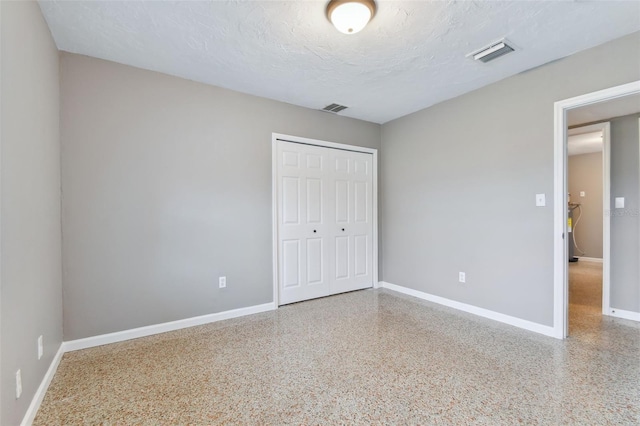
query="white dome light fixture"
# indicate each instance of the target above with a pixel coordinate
(350, 16)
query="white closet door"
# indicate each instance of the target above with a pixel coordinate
(302, 218)
(325, 221)
(352, 229)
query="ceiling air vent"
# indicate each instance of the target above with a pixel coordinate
(335, 108)
(491, 52)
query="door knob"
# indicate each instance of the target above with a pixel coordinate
(314, 230)
(342, 229)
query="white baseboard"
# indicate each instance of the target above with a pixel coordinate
(629, 315)
(496, 316)
(135, 333)
(42, 389)
(590, 259)
(120, 336)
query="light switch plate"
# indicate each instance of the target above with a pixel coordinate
(619, 202)
(18, 384)
(583, 194)
(40, 347)
(541, 200)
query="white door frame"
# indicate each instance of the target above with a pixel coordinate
(605, 128)
(274, 199)
(560, 281)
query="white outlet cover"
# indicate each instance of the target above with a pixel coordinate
(462, 277)
(18, 384)
(40, 347)
(222, 282)
(583, 194)
(541, 200)
(619, 202)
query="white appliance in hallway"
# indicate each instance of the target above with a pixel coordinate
(325, 221)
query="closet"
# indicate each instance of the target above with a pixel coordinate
(324, 221)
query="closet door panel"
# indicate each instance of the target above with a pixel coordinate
(303, 240)
(353, 230)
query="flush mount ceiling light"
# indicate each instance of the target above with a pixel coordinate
(350, 16)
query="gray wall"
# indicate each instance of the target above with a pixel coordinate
(625, 256)
(30, 236)
(460, 180)
(585, 174)
(166, 186)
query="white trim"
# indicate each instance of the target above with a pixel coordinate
(274, 219)
(560, 279)
(30, 415)
(1, 286)
(590, 259)
(606, 219)
(485, 313)
(375, 217)
(560, 238)
(628, 315)
(317, 142)
(135, 333)
(274, 198)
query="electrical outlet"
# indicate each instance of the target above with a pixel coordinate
(18, 384)
(222, 282)
(40, 347)
(462, 277)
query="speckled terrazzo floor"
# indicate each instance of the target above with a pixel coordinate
(585, 300)
(368, 357)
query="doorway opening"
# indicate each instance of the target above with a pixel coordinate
(621, 101)
(588, 227)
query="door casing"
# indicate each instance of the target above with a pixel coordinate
(560, 243)
(274, 200)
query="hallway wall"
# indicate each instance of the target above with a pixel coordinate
(585, 174)
(625, 223)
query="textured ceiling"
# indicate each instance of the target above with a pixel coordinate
(585, 143)
(411, 55)
(604, 110)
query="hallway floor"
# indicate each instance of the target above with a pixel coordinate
(585, 299)
(367, 357)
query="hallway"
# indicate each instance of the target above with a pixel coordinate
(586, 321)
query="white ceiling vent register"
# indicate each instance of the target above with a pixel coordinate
(491, 52)
(334, 108)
